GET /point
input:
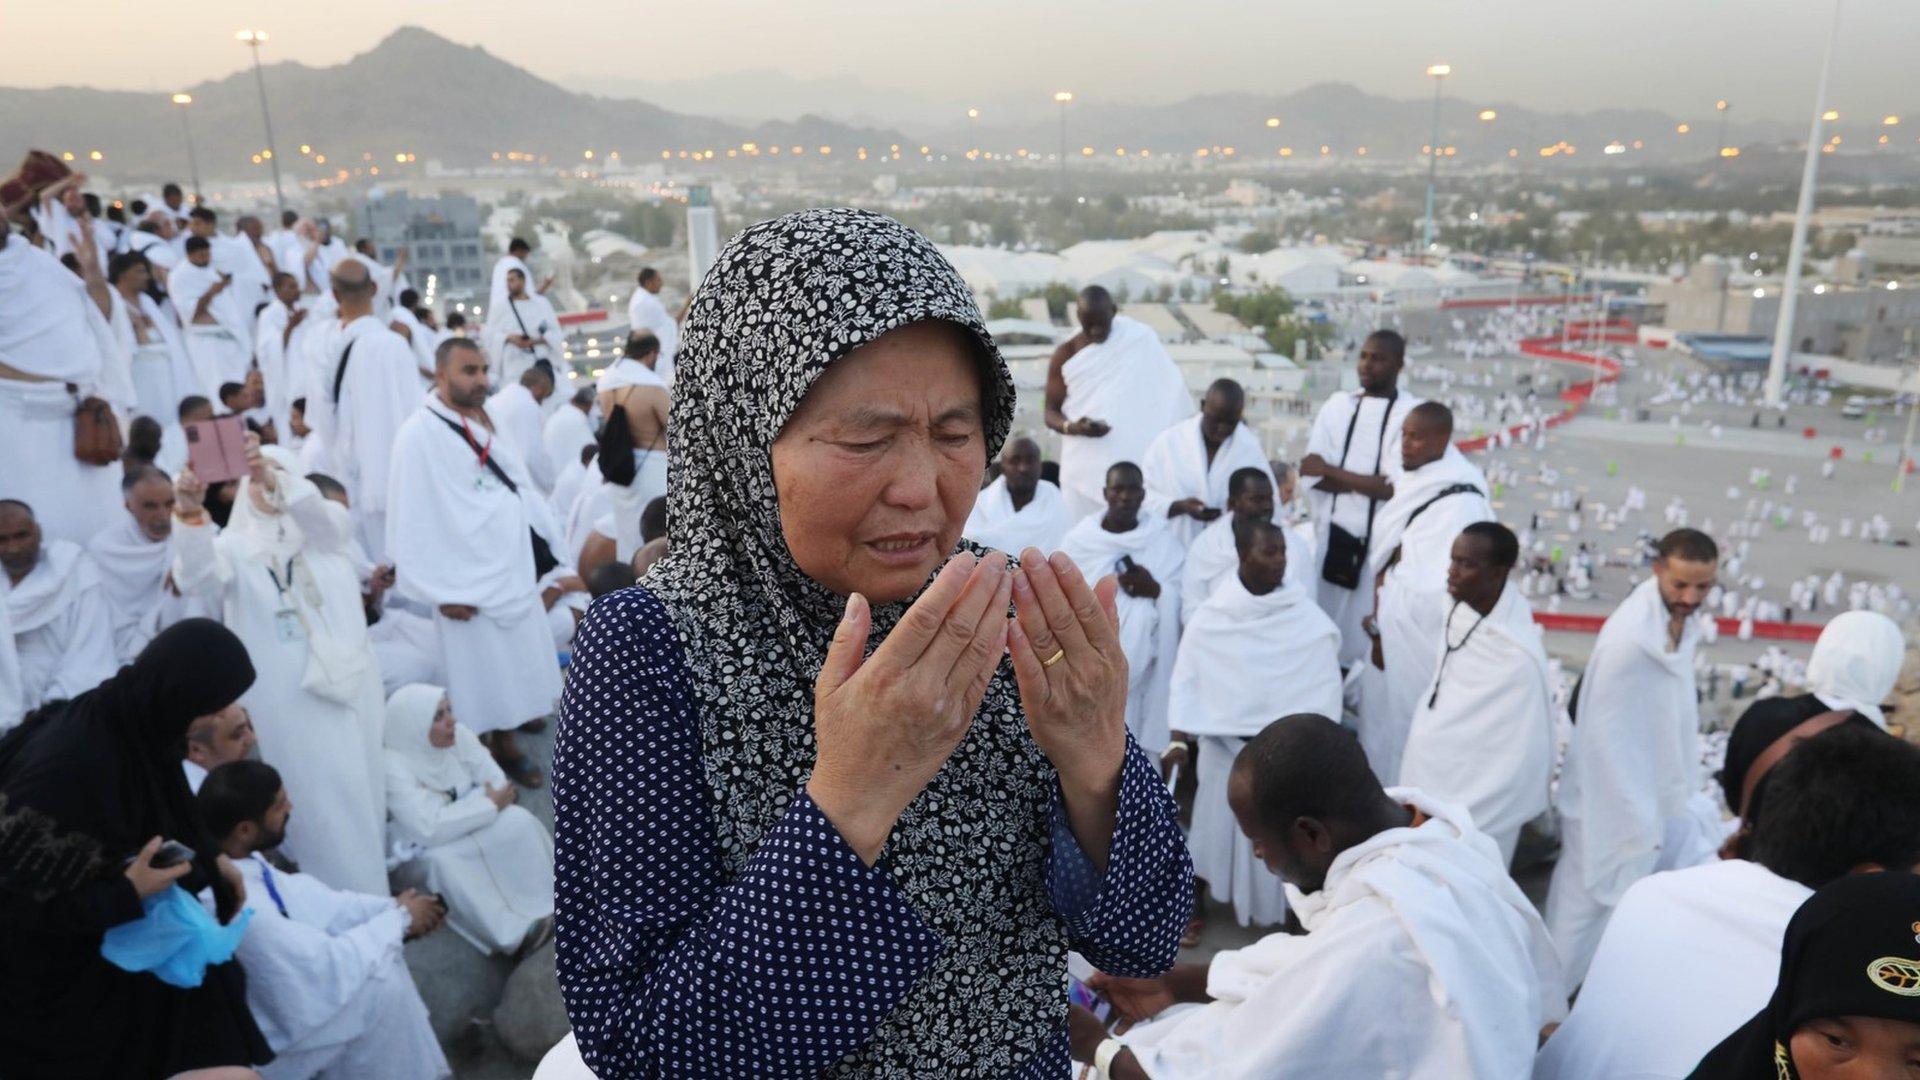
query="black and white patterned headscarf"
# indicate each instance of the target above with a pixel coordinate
(785, 299)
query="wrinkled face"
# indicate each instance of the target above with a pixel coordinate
(1292, 854)
(1264, 566)
(1684, 583)
(1472, 574)
(1219, 416)
(1856, 1048)
(440, 735)
(1421, 442)
(215, 740)
(878, 468)
(1253, 503)
(462, 378)
(1125, 491)
(19, 541)
(1379, 366)
(151, 503)
(1021, 466)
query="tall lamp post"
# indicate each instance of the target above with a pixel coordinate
(1797, 250)
(1062, 98)
(1439, 73)
(186, 126)
(1721, 107)
(973, 132)
(253, 39)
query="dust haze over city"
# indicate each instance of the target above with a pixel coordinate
(1660, 260)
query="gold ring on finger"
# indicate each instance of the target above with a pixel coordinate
(1058, 654)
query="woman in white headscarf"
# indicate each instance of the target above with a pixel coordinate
(283, 579)
(491, 861)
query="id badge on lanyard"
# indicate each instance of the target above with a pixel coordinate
(288, 627)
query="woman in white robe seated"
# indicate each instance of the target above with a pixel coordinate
(453, 811)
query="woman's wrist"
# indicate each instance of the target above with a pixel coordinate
(856, 815)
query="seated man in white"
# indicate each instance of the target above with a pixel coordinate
(1214, 557)
(1145, 555)
(215, 739)
(326, 979)
(1019, 510)
(1422, 959)
(135, 561)
(56, 610)
(1189, 465)
(1690, 954)
(1258, 648)
(1482, 730)
(453, 810)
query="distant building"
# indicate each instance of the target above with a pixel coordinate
(442, 235)
(1858, 318)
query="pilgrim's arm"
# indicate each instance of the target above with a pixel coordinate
(199, 567)
(324, 523)
(423, 817)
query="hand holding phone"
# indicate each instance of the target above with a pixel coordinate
(217, 449)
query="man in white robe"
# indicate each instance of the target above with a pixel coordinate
(460, 536)
(1214, 556)
(1146, 557)
(1422, 959)
(566, 432)
(320, 252)
(152, 354)
(514, 259)
(515, 412)
(286, 247)
(1439, 493)
(219, 334)
(645, 313)
(368, 390)
(1258, 649)
(135, 559)
(1188, 464)
(1691, 955)
(1482, 730)
(522, 329)
(13, 691)
(237, 258)
(216, 739)
(53, 333)
(1019, 510)
(327, 980)
(422, 337)
(1630, 798)
(1352, 460)
(388, 281)
(279, 348)
(1111, 390)
(58, 612)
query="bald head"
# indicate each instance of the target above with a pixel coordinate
(538, 380)
(353, 287)
(1020, 467)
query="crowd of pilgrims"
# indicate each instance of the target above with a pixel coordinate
(1333, 660)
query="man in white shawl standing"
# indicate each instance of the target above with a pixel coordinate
(135, 560)
(460, 536)
(645, 313)
(1352, 460)
(453, 812)
(233, 256)
(522, 329)
(1145, 556)
(568, 431)
(1214, 556)
(514, 259)
(327, 977)
(283, 580)
(279, 350)
(368, 390)
(219, 333)
(62, 634)
(1439, 493)
(1019, 510)
(515, 412)
(631, 392)
(1627, 796)
(156, 357)
(1422, 959)
(1188, 465)
(1257, 649)
(1111, 390)
(1482, 731)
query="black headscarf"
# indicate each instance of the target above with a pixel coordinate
(1853, 949)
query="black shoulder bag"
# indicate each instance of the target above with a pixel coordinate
(543, 557)
(1346, 557)
(340, 373)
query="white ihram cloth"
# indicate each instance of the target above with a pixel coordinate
(1856, 662)
(1482, 731)
(1212, 558)
(51, 329)
(565, 434)
(516, 417)
(540, 323)
(646, 312)
(497, 291)
(1149, 629)
(378, 393)
(328, 983)
(222, 351)
(422, 340)
(13, 692)
(1244, 662)
(279, 356)
(1128, 381)
(1368, 454)
(133, 572)
(62, 632)
(1042, 523)
(185, 379)
(1176, 467)
(285, 584)
(457, 535)
(150, 362)
(494, 866)
(252, 281)
(1413, 597)
(1630, 797)
(1689, 956)
(1422, 961)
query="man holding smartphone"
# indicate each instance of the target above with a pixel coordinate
(219, 333)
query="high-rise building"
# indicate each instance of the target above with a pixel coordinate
(442, 234)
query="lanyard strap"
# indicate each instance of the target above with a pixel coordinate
(1379, 453)
(1434, 698)
(282, 586)
(266, 878)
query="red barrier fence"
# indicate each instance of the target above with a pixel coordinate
(1511, 301)
(1575, 396)
(1769, 631)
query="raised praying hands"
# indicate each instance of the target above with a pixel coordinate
(1065, 644)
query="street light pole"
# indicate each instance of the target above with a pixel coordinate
(1439, 73)
(253, 39)
(1063, 97)
(186, 126)
(1796, 252)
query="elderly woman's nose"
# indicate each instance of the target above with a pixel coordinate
(913, 476)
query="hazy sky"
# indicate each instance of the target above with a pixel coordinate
(1674, 55)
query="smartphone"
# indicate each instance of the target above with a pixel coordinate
(1123, 565)
(217, 449)
(171, 853)
(1079, 994)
